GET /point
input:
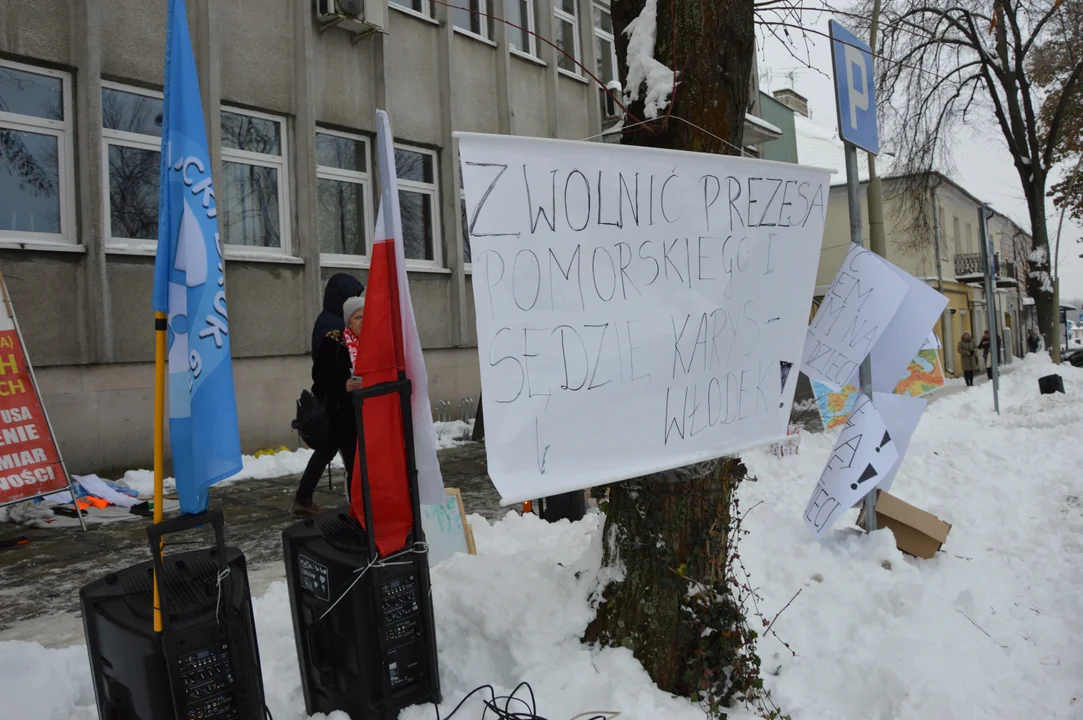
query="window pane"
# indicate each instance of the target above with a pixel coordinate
(466, 231)
(342, 217)
(518, 13)
(339, 152)
(250, 198)
(412, 4)
(133, 192)
(602, 20)
(29, 182)
(244, 132)
(131, 112)
(566, 42)
(417, 241)
(410, 165)
(603, 51)
(468, 19)
(567, 6)
(28, 93)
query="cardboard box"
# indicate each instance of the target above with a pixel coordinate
(917, 532)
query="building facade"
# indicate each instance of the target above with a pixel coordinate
(289, 103)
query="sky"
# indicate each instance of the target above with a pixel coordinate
(982, 162)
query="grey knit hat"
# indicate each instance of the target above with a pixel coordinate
(351, 306)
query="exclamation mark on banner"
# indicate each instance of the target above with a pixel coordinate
(870, 472)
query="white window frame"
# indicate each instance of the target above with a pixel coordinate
(425, 13)
(277, 162)
(607, 36)
(531, 51)
(560, 14)
(130, 140)
(483, 13)
(356, 177)
(62, 130)
(433, 190)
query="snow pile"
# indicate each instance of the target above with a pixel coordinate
(990, 628)
(452, 434)
(642, 67)
(290, 462)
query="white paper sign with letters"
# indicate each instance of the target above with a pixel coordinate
(854, 313)
(863, 456)
(637, 310)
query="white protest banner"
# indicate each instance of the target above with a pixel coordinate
(901, 415)
(904, 335)
(853, 315)
(863, 455)
(637, 310)
(932, 342)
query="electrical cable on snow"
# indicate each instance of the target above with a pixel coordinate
(505, 713)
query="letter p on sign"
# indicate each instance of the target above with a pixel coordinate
(854, 97)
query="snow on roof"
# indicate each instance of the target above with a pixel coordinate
(760, 122)
(820, 147)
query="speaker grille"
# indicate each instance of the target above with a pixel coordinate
(190, 584)
(344, 533)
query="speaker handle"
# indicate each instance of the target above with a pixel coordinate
(156, 533)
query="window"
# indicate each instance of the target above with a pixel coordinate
(477, 20)
(36, 191)
(342, 195)
(131, 159)
(421, 7)
(942, 229)
(521, 13)
(566, 32)
(970, 246)
(605, 48)
(465, 222)
(418, 203)
(253, 196)
(957, 236)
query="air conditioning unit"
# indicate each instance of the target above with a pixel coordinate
(361, 17)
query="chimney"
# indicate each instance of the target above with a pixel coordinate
(793, 100)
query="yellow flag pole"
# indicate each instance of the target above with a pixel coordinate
(159, 438)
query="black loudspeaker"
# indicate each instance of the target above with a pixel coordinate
(1051, 384)
(204, 664)
(566, 506)
(366, 637)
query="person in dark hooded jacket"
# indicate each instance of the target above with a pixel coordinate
(329, 324)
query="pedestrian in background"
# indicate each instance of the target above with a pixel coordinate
(330, 324)
(968, 351)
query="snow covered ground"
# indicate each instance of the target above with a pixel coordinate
(990, 628)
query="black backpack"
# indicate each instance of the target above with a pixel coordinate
(312, 423)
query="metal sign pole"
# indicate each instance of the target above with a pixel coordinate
(994, 343)
(855, 102)
(853, 196)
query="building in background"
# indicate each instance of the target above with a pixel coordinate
(945, 253)
(290, 92)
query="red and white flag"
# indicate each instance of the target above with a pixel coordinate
(389, 344)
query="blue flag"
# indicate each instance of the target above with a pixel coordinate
(189, 285)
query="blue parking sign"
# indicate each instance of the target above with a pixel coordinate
(855, 97)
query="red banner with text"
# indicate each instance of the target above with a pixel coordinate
(29, 461)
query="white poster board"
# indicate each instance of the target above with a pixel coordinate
(901, 414)
(446, 528)
(863, 456)
(637, 310)
(905, 335)
(855, 312)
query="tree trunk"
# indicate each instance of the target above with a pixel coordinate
(1044, 305)
(715, 42)
(672, 532)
